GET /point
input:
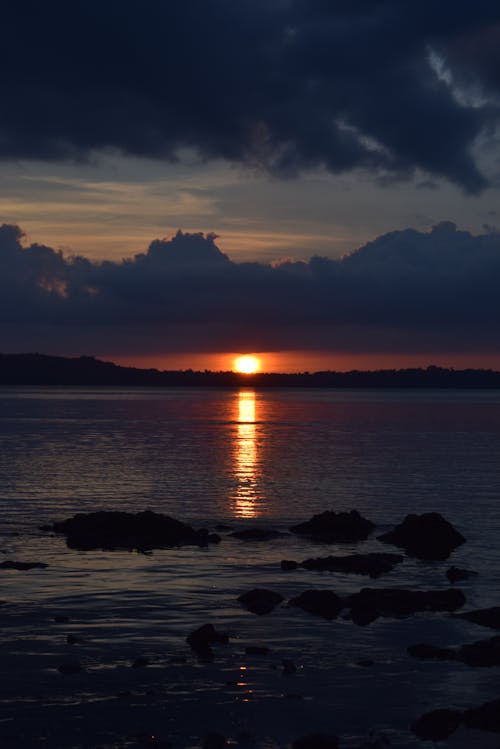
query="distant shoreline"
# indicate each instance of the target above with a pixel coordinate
(41, 369)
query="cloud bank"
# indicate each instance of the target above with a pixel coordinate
(388, 86)
(407, 291)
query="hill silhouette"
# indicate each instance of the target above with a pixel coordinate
(41, 369)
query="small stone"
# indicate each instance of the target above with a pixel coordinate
(437, 725)
(257, 650)
(288, 564)
(73, 667)
(10, 565)
(289, 666)
(140, 663)
(316, 741)
(214, 740)
(203, 638)
(486, 617)
(245, 737)
(260, 601)
(456, 574)
(323, 603)
(61, 619)
(72, 639)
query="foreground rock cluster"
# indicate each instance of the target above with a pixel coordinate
(427, 537)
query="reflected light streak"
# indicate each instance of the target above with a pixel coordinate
(245, 456)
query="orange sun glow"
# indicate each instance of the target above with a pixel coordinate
(246, 364)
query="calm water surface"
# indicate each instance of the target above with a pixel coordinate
(241, 458)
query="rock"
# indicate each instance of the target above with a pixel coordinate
(111, 530)
(371, 603)
(61, 619)
(323, 603)
(140, 663)
(481, 653)
(374, 564)
(245, 737)
(486, 717)
(289, 666)
(257, 534)
(456, 574)
(485, 617)
(257, 650)
(289, 564)
(332, 526)
(374, 742)
(437, 725)
(431, 652)
(214, 740)
(69, 668)
(316, 741)
(365, 663)
(428, 536)
(72, 639)
(203, 638)
(260, 601)
(9, 565)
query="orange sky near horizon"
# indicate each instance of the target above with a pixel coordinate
(307, 361)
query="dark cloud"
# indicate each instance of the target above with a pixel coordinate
(284, 85)
(406, 291)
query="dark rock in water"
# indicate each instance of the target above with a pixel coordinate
(431, 652)
(140, 663)
(437, 725)
(245, 737)
(365, 663)
(481, 653)
(456, 574)
(485, 617)
(428, 536)
(72, 667)
(486, 717)
(72, 639)
(288, 564)
(374, 564)
(375, 742)
(289, 666)
(257, 534)
(126, 530)
(257, 650)
(335, 526)
(222, 527)
(61, 619)
(323, 603)
(214, 740)
(260, 601)
(316, 741)
(371, 603)
(203, 638)
(9, 565)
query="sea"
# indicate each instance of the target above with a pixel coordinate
(230, 459)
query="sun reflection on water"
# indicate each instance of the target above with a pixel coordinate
(245, 456)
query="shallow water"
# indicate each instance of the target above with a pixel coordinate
(241, 458)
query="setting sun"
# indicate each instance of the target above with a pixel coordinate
(246, 364)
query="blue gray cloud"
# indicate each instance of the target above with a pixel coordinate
(281, 85)
(406, 291)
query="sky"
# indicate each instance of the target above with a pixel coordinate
(313, 181)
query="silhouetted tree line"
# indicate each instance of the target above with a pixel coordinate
(40, 369)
